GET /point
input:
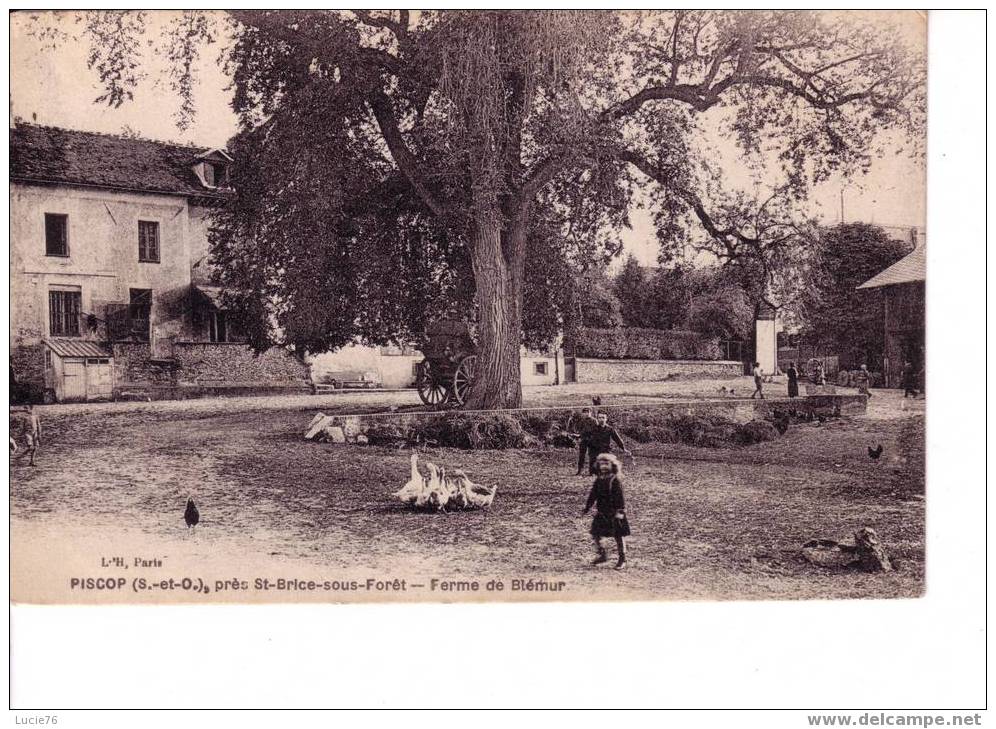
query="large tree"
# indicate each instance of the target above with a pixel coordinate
(836, 315)
(631, 286)
(485, 122)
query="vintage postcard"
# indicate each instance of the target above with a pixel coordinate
(375, 306)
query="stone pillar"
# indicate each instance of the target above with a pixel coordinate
(766, 341)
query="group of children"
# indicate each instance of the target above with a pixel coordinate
(606, 495)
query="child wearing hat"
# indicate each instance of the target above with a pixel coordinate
(610, 515)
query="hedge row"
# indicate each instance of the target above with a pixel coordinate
(637, 343)
(555, 429)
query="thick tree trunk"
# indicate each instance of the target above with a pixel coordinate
(497, 383)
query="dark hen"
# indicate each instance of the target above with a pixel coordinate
(191, 515)
(874, 453)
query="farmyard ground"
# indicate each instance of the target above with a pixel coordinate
(707, 523)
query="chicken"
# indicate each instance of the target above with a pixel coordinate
(191, 515)
(874, 453)
(410, 491)
(472, 494)
(781, 423)
(438, 490)
(596, 400)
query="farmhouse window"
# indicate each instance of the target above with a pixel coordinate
(148, 241)
(139, 313)
(64, 313)
(539, 368)
(215, 175)
(56, 234)
(218, 327)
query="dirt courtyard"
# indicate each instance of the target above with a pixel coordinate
(708, 523)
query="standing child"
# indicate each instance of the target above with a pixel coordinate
(863, 381)
(600, 440)
(584, 427)
(758, 380)
(25, 429)
(610, 509)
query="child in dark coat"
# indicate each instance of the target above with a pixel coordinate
(584, 427)
(610, 508)
(601, 436)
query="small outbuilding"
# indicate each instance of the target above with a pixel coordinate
(77, 370)
(903, 285)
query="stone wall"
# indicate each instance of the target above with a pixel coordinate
(133, 366)
(206, 368)
(204, 363)
(28, 362)
(651, 370)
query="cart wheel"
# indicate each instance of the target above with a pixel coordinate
(463, 378)
(430, 389)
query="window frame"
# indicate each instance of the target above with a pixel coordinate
(63, 318)
(541, 369)
(218, 327)
(135, 304)
(64, 217)
(142, 249)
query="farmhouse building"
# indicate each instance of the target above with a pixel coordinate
(110, 285)
(903, 286)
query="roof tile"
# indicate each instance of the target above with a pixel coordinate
(53, 155)
(911, 268)
(76, 347)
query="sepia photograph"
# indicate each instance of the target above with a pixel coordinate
(496, 358)
(375, 306)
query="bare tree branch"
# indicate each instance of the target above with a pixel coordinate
(383, 111)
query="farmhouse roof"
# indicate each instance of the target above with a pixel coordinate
(211, 294)
(76, 347)
(50, 155)
(913, 267)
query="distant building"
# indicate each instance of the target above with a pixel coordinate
(903, 285)
(395, 367)
(110, 292)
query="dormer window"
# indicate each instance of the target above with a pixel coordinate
(212, 169)
(215, 175)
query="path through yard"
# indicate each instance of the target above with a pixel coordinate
(707, 523)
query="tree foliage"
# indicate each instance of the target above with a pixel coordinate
(836, 314)
(709, 300)
(631, 287)
(598, 306)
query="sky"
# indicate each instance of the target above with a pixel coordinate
(52, 85)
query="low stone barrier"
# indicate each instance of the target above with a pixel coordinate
(189, 391)
(737, 410)
(651, 370)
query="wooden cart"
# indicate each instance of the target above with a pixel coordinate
(447, 372)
